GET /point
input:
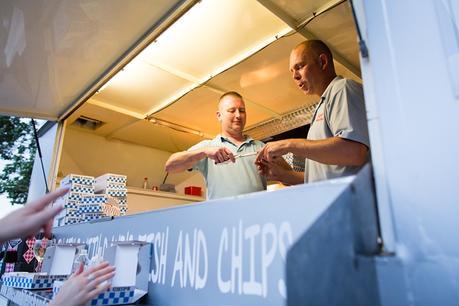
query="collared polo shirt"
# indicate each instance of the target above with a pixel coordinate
(340, 112)
(230, 179)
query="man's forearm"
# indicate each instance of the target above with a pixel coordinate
(331, 151)
(293, 178)
(182, 161)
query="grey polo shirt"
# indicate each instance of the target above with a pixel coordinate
(230, 179)
(340, 112)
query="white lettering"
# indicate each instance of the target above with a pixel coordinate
(178, 262)
(252, 286)
(201, 279)
(224, 286)
(267, 255)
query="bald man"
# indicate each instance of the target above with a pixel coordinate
(337, 143)
(227, 161)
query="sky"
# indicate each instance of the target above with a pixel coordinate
(5, 205)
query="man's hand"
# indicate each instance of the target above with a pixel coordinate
(279, 170)
(219, 154)
(272, 151)
(35, 215)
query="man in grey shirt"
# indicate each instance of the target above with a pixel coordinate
(337, 143)
(227, 161)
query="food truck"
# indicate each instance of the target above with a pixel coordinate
(124, 85)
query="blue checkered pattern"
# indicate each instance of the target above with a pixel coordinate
(97, 208)
(86, 189)
(115, 186)
(121, 201)
(114, 178)
(113, 297)
(71, 205)
(77, 179)
(31, 282)
(71, 220)
(116, 192)
(89, 217)
(102, 186)
(96, 199)
(72, 214)
(72, 196)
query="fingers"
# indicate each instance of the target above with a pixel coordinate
(94, 269)
(96, 291)
(230, 155)
(101, 272)
(260, 155)
(223, 154)
(44, 217)
(47, 229)
(44, 201)
(99, 280)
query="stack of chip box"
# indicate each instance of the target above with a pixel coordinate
(82, 204)
(113, 186)
(80, 186)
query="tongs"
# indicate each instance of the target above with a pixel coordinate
(239, 156)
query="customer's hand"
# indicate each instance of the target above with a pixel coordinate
(272, 150)
(85, 285)
(35, 215)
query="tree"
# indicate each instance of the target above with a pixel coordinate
(18, 149)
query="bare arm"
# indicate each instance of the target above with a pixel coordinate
(33, 216)
(182, 161)
(331, 151)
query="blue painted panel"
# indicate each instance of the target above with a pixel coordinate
(325, 266)
(230, 250)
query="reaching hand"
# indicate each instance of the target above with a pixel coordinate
(35, 215)
(271, 151)
(83, 286)
(278, 170)
(220, 154)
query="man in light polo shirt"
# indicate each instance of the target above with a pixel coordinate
(337, 143)
(227, 161)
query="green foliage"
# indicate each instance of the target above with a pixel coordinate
(18, 150)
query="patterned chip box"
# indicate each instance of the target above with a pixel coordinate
(30, 280)
(77, 179)
(72, 214)
(98, 188)
(116, 192)
(111, 178)
(72, 197)
(71, 220)
(113, 296)
(90, 208)
(84, 189)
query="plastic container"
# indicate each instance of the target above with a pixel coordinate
(81, 257)
(193, 190)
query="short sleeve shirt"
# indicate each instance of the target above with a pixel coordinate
(341, 113)
(230, 179)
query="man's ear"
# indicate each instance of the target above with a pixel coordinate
(323, 61)
(219, 116)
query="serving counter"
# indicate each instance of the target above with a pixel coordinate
(142, 200)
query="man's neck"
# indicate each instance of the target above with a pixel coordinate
(327, 80)
(236, 138)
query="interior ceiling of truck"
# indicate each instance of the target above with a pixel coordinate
(152, 73)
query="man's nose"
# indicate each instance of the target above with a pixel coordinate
(296, 75)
